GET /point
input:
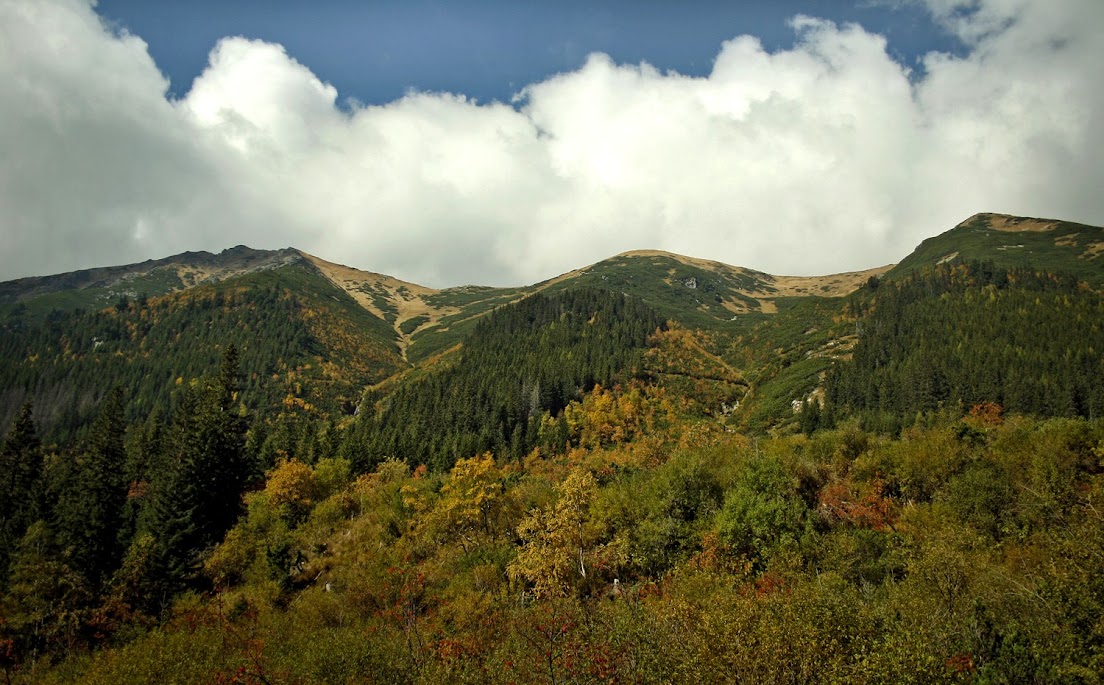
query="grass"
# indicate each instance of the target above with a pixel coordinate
(153, 284)
(1042, 250)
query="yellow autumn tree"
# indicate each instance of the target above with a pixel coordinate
(291, 489)
(473, 497)
(613, 417)
(561, 545)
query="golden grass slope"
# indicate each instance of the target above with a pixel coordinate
(408, 299)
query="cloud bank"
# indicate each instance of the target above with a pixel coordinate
(827, 156)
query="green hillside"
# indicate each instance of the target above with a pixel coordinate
(298, 336)
(101, 287)
(964, 334)
(694, 294)
(1009, 242)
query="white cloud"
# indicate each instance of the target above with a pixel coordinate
(827, 156)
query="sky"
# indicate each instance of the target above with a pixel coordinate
(503, 143)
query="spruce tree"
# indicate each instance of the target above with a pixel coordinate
(90, 511)
(47, 597)
(20, 480)
(197, 496)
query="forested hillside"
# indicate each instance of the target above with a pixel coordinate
(516, 374)
(1014, 242)
(653, 469)
(299, 338)
(970, 333)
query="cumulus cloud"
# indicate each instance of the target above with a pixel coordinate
(826, 156)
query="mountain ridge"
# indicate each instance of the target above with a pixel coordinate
(197, 267)
(416, 312)
(694, 291)
(201, 266)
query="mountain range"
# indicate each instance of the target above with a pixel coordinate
(261, 466)
(355, 329)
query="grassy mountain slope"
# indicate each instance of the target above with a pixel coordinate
(702, 293)
(1008, 241)
(697, 293)
(434, 319)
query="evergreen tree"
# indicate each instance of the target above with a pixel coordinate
(90, 513)
(810, 416)
(969, 333)
(47, 595)
(197, 497)
(144, 452)
(20, 477)
(523, 361)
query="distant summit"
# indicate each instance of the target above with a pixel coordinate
(1013, 241)
(152, 277)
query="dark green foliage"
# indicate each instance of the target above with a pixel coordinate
(284, 322)
(810, 418)
(522, 361)
(47, 596)
(473, 302)
(411, 324)
(20, 484)
(89, 512)
(982, 495)
(691, 295)
(764, 514)
(967, 334)
(144, 459)
(196, 496)
(665, 511)
(784, 356)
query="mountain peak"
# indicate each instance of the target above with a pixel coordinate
(1014, 241)
(1010, 224)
